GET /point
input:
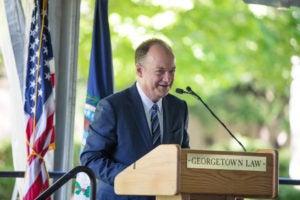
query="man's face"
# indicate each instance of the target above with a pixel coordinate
(156, 72)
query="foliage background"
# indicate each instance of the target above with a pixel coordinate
(237, 57)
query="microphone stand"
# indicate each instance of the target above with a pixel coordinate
(191, 92)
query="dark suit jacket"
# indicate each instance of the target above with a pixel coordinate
(120, 135)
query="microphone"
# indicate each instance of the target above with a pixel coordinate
(191, 92)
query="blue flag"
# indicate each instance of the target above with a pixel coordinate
(100, 81)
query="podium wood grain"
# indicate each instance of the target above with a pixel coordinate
(154, 174)
(231, 182)
(163, 172)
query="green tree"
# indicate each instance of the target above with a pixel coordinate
(237, 56)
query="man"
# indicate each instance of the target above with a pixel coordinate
(122, 130)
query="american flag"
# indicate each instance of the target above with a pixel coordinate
(39, 103)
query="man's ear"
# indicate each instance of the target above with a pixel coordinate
(139, 70)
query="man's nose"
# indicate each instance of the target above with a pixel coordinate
(168, 76)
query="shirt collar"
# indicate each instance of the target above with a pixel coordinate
(146, 101)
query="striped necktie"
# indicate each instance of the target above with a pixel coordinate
(155, 128)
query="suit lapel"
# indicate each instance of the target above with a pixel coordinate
(165, 120)
(167, 115)
(139, 117)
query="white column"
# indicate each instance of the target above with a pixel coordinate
(294, 118)
(64, 18)
(12, 40)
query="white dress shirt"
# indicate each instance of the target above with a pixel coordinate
(147, 103)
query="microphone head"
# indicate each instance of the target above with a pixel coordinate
(179, 90)
(188, 88)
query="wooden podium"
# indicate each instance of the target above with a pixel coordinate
(171, 173)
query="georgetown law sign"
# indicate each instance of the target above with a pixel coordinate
(226, 162)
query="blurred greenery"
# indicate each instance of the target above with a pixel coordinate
(6, 163)
(235, 55)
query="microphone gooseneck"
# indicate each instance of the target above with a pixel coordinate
(191, 92)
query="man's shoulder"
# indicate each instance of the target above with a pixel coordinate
(174, 100)
(172, 97)
(120, 95)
